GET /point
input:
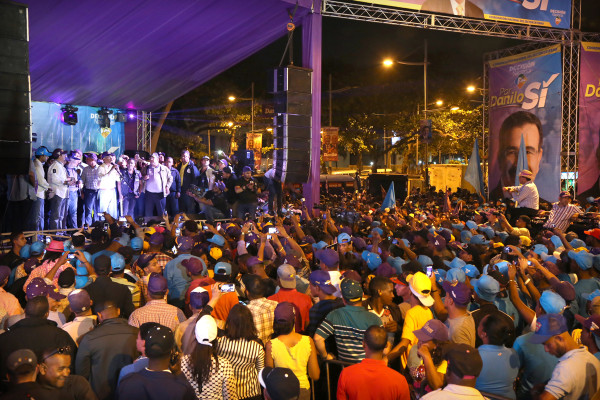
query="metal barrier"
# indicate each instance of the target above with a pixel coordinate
(327, 363)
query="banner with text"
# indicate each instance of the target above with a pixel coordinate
(588, 183)
(329, 143)
(525, 95)
(254, 143)
(555, 14)
(86, 135)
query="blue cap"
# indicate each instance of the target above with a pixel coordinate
(424, 260)
(539, 249)
(223, 268)
(42, 151)
(320, 245)
(479, 239)
(217, 240)
(396, 263)
(37, 248)
(583, 259)
(344, 238)
(373, 260)
(458, 227)
(440, 275)
(486, 287)
(556, 241)
(502, 267)
(465, 236)
(25, 251)
(137, 243)
(591, 296)
(471, 224)
(548, 325)
(502, 235)
(117, 262)
(456, 274)
(471, 271)
(378, 230)
(455, 263)
(552, 302)
(577, 243)
(488, 231)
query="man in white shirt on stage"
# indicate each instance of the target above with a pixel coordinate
(110, 177)
(563, 212)
(526, 195)
(37, 210)
(58, 180)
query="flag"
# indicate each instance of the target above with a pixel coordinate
(473, 174)
(390, 199)
(521, 161)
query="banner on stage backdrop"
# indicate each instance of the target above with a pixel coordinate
(549, 13)
(588, 183)
(254, 143)
(329, 143)
(525, 95)
(86, 135)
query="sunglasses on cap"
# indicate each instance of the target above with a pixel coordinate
(60, 350)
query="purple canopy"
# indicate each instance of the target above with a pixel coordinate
(144, 53)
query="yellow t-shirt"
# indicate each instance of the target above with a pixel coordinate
(415, 318)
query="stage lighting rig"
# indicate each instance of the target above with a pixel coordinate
(104, 117)
(69, 115)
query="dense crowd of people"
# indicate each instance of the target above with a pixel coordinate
(440, 297)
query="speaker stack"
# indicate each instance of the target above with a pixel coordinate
(15, 91)
(292, 90)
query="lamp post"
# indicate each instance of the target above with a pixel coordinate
(389, 63)
(233, 98)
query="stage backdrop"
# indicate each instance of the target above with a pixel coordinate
(550, 13)
(589, 121)
(86, 135)
(525, 91)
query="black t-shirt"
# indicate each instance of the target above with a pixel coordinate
(12, 260)
(230, 183)
(157, 385)
(248, 194)
(76, 388)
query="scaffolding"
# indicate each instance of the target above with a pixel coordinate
(144, 131)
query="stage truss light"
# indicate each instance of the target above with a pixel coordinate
(69, 115)
(104, 117)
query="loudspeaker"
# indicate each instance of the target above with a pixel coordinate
(292, 148)
(15, 90)
(290, 79)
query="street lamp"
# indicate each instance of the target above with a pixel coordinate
(439, 103)
(471, 88)
(455, 108)
(233, 98)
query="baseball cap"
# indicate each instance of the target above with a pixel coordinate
(591, 323)
(157, 284)
(456, 274)
(222, 271)
(38, 287)
(548, 325)
(66, 278)
(56, 246)
(194, 266)
(117, 262)
(4, 273)
(525, 174)
(458, 291)
(199, 297)
(420, 286)
(79, 300)
(251, 261)
(464, 361)
(31, 264)
(42, 151)
(280, 383)
(217, 240)
(287, 276)
(344, 238)
(206, 330)
(486, 287)
(594, 232)
(159, 341)
(471, 271)
(552, 302)
(215, 253)
(246, 169)
(37, 248)
(19, 358)
(396, 263)
(583, 259)
(323, 280)
(359, 243)
(185, 244)
(455, 263)
(156, 239)
(329, 257)
(479, 239)
(439, 242)
(144, 260)
(424, 260)
(373, 260)
(351, 290)
(284, 312)
(433, 329)
(227, 170)
(565, 193)
(137, 243)
(319, 245)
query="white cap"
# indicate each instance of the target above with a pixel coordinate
(206, 330)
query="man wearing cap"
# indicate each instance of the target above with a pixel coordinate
(286, 278)
(118, 265)
(206, 177)
(279, 383)
(329, 260)
(188, 173)
(372, 378)
(464, 366)
(157, 182)
(74, 179)
(590, 333)
(321, 287)
(274, 188)
(262, 309)
(176, 272)
(156, 381)
(213, 204)
(58, 180)
(103, 288)
(105, 350)
(247, 190)
(39, 287)
(34, 332)
(577, 374)
(157, 309)
(174, 189)
(581, 264)
(526, 195)
(22, 372)
(90, 179)
(347, 324)
(110, 178)
(563, 212)
(81, 305)
(229, 179)
(37, 209)
(131, 187)
(460, 323)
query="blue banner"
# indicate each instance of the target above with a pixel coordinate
(86, 135)
(555, 13)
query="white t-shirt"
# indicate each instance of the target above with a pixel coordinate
(576, 376)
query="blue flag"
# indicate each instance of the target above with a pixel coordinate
(473, 174)
(521, 161)
(390, 199)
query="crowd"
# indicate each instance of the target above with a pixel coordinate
(67, 189)
(441, 297)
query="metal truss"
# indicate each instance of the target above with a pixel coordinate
(570, 107)
(417, 19)
(144, 130)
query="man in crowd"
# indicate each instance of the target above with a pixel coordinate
(110, 178)
(55, 377)
(206, 177)
(157, 183)
(188, 173)
(36, 215)
(91, 180)
(563, 212)
(131, 187)
(174, 189)
(74, 179)
(104, 289)
(59, 186)
(246, 190)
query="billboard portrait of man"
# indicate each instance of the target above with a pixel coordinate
(463, 8)
(516, 124)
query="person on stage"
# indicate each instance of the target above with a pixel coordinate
(526, 194)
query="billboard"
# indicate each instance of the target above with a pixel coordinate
(554, 14)
(86, 135)
(254, 143)
(525, 93)
(329, 143)
(589, 121)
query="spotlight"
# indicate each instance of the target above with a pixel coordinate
(69, 115)
(104, 118)
(120, 117)
(131, 115)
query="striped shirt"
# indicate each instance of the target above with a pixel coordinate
(157, 311)
(247, 358)
(263, 314)
(560, 216)
(348, 325)
(527, 196)
(90, 177)
(220, 385)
